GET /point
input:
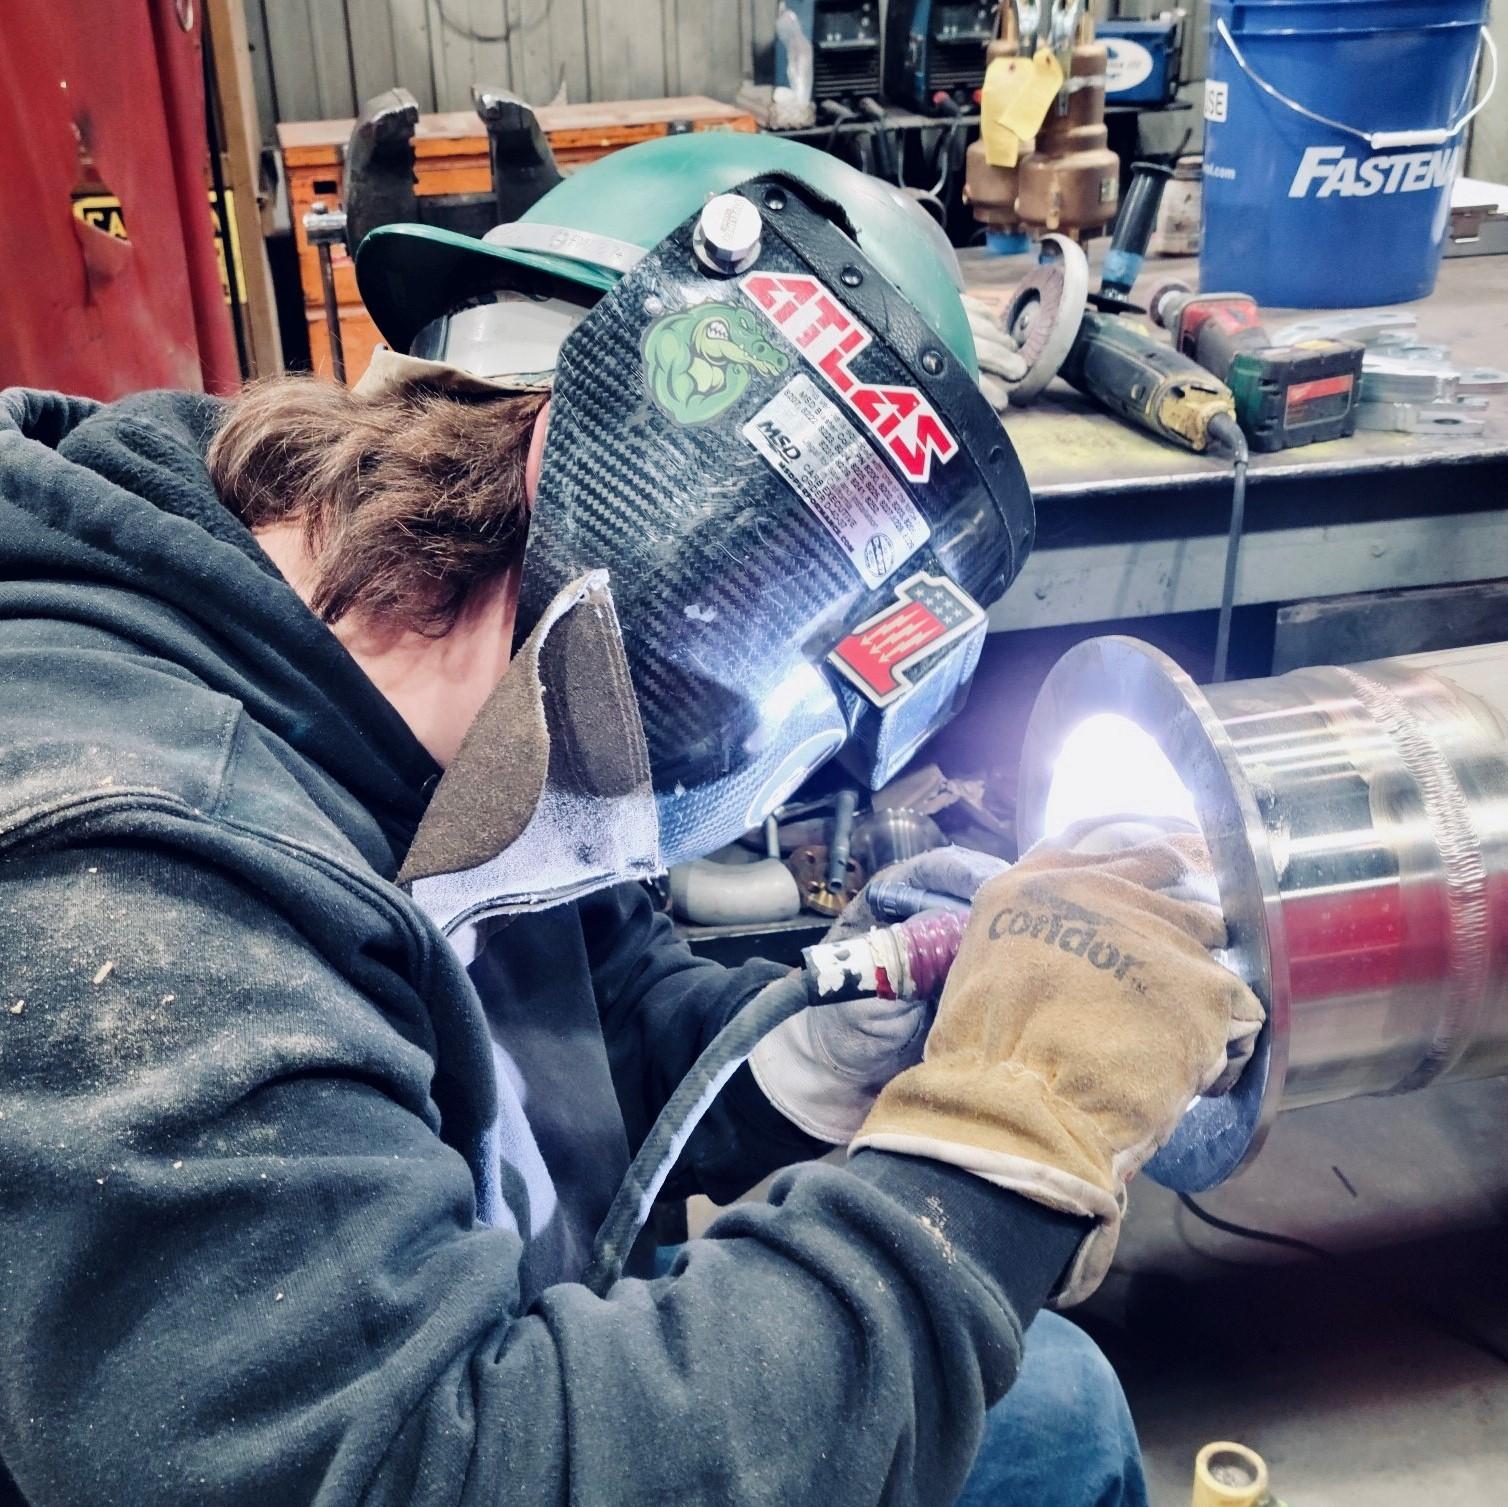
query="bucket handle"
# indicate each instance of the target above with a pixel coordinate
(1377, 140)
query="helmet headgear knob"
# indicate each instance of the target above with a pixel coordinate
(727, 235)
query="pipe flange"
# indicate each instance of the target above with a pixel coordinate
(1218, 1135)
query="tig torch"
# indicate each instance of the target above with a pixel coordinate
(909, 960)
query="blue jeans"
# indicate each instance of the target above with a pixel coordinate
(1062, 1436)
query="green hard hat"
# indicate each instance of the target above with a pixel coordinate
(409, 275)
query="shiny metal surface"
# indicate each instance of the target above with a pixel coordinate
(881, 838)
(1358, 818)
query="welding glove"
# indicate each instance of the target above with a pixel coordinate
(1001, 364)
(1112, 834)
(823, 1067)
(1082, 1016)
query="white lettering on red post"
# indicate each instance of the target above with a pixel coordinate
(829, 337)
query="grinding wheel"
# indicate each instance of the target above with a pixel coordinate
(1045, 313)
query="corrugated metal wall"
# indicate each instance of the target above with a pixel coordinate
(318, 59)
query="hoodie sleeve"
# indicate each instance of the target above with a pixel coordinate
(660, 1005)
(241, 1267)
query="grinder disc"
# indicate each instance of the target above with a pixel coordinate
(1045, 313)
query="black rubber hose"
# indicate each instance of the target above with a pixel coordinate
(1225, 433)
(683, 1111)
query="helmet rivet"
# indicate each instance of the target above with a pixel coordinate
(654, 305)
(932, 362)
(727, 235)
(851, 277)
(774, 199)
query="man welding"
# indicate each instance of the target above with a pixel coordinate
(334, 728)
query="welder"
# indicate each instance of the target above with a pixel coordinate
(336, 730)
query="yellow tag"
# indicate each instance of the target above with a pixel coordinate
(1018, 93)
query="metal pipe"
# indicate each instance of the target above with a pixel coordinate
(332, 316)
(1358, 821)
(325, 229)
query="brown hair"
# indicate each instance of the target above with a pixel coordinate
(410, 500)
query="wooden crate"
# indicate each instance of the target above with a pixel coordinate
(450, 157)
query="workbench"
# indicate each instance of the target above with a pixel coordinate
(1130, 527)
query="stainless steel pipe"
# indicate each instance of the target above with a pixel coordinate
(1358, 819)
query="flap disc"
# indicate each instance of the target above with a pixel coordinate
(1045, 313)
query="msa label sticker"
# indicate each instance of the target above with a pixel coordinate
(829, 337)
(1216, 100)
(929, 612)
(825, 460)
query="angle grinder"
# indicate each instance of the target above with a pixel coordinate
(1044, 314)
(1125, 368)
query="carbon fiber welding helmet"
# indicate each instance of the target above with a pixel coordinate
(765, 426)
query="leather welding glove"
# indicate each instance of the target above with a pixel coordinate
(823, 1067)
(1088, 840)
(1082, 1016)
(1001, 364)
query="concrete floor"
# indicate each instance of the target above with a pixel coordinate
(1367, 1380)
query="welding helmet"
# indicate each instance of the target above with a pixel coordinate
(765, 426)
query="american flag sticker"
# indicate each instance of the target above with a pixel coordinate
(929, 613)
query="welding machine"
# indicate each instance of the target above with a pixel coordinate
(935, 53)
(1143, 64)
(845, 38)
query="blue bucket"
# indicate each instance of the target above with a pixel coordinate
(1333, 133)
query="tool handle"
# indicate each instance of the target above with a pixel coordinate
(1133, 226)
(837, 853)
(895, 900)
(1144, 381)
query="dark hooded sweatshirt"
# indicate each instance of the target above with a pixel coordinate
(291, 1207)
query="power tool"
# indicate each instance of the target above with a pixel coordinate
(1129, 371)
(1138, 377)
(1285, 395)
(1150, 384)
(1120, 364)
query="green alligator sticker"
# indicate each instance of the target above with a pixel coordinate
(699, 362)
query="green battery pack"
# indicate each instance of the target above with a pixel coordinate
(1296, 394)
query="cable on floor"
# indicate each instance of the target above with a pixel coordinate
(1443, 1322)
